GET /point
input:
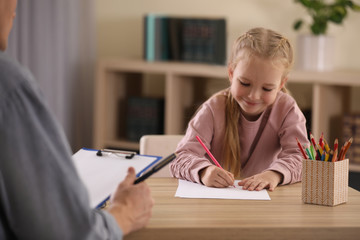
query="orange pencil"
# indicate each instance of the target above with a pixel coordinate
(346, 147)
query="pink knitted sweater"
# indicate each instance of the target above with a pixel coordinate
(275, 148)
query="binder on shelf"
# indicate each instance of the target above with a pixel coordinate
(175, 31)
(102, 174)
(144, 116)
(156, 37)
(150, 37)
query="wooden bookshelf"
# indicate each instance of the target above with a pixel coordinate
(117, 79)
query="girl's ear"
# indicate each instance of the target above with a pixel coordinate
(230, 73)
(283, 82)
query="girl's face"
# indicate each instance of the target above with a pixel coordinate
(254, 85)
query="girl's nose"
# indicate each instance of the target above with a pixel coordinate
(254, 94)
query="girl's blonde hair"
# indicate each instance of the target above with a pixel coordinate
(265, 44)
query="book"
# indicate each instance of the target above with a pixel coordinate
(161, 38)
(175, 31)
(204, 40)
(188, 37)
(164, 39)
(219, 37)
(144, 116)
(150, 37)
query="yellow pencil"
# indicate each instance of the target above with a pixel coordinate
(320, 149)
(327, 148)
(327, 157)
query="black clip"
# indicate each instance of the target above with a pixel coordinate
(128, 154)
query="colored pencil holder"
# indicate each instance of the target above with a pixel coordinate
(325, 183)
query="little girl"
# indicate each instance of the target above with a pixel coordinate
(251, 127)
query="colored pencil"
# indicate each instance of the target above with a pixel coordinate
(312, 140)
(336, 144)
(334, 158)
(346, 148)
(301, 148)
(326, 146)
(208, 152)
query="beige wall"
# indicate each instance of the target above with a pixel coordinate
(119, 23)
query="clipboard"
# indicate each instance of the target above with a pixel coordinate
(102, 174)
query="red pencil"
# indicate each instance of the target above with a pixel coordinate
(313, 140)
(301, 149)
(336, 144)
(315, 147)
(321, 139)
(208, 152)
(334, 158)
(340, 153)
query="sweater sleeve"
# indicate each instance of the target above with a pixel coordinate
(293, 125)
(190, 154)
(41, 194)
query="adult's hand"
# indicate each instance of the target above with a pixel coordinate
(131, 204)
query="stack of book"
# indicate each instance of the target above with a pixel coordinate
(201, 40)
(144, 116)
(351, 127)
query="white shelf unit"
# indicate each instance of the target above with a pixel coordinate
(117, 79)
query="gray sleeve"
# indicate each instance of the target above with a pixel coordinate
(41, 194)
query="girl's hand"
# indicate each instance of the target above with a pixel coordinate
(214, 176)
(267, 179)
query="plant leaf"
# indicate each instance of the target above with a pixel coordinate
(338, 14)
(306, 3)
(318, 27)
(354, 6)
(322, 12)
(298, 24)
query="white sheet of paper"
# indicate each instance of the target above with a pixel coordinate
(188, 189)
(101, 175)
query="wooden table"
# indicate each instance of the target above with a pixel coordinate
(284, 217)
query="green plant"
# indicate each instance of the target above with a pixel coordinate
(322, 12)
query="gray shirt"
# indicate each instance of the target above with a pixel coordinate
(41, 195)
